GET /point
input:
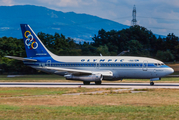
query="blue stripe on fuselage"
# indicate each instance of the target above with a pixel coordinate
(54, 63)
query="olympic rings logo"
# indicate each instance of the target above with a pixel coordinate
(30, 41)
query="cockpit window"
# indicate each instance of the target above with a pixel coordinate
(159, 64)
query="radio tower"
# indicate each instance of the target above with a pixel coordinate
(134, 21)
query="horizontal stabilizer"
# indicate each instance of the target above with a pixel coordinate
(20, 58)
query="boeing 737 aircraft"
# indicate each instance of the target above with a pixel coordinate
(89, 68)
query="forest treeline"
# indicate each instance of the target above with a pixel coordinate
(137, 40)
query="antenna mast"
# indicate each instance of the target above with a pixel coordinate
(134, 21)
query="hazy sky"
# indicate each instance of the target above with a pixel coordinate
(160, 16)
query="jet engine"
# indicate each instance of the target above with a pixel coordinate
(90, 78)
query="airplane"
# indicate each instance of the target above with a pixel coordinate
(89, 68)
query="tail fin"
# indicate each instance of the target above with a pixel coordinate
(33, 45)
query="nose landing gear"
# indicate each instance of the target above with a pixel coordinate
(154, 79)
(152, 83)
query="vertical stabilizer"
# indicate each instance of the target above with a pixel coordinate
(33, 45)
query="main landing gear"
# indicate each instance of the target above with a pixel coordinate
(98, 82)
(86, 83)
(152, 83)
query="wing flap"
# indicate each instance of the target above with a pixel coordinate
(75, 71)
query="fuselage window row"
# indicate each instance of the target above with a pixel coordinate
(95, 65)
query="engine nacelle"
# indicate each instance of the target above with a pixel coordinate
(90, 78)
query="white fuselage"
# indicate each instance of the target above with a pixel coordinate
(120, 66)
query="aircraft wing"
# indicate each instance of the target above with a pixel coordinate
(20, 58)
(75, 71)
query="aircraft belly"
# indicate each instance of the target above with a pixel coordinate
(132, 73)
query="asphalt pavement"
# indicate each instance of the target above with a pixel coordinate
(92, 85)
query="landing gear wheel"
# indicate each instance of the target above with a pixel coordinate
(151, 83)
(98, 82)
(86, 83)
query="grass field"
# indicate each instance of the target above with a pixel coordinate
(50, 103)
(31, 78)
(174, 66)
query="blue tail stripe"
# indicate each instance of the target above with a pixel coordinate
(34, 47)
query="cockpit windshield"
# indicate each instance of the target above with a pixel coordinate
(159, 64)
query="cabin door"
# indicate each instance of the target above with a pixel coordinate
(48, 64)
(97, 65)
(145, 65)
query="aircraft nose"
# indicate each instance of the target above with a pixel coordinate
(170, 71)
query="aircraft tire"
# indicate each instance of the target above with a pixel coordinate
(151, 83)
(86, 83)
(98, 82)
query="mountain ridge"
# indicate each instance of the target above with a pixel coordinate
(77, 26)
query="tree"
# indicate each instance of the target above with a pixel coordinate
(103, 50)
(165, 56)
